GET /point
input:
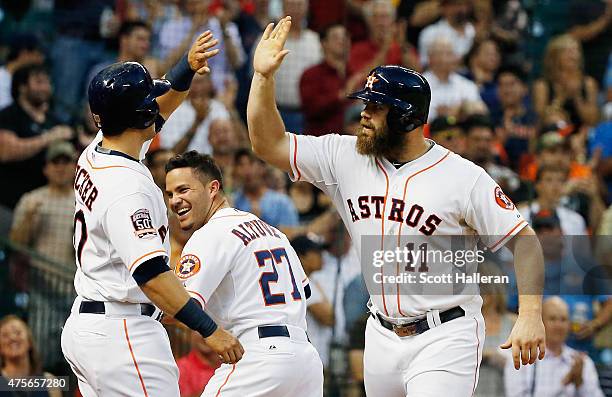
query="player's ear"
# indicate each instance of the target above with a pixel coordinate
(214, 186)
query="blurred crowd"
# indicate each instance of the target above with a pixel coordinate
(522, 88)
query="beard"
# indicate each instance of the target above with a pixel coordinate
(379, 142)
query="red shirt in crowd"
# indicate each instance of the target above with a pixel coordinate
(363, 52)
(194, 374)
(322, 103)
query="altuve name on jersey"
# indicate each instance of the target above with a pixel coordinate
(251, 230)
(84, 187)
(373, 206)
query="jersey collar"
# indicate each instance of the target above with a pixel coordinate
(98, 148)
(433, 154)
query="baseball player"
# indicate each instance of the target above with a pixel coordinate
(251, 282)
(391, 182)
(111, 339)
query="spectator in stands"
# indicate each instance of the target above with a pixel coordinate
(340, 267)
(499, 322)
(483, 60)
(176, 35)
(554, 148)
(78, 45)
(188, 127)
(134, 40)
(581, 193)
(197, 367)
(18, 356)
(381, 47)
(550, 181)
(250, 25)
(24, 50)
(509, 28)
(479, 148)
(564, 84)
(320, 315)
(323, 87)
(454, 26)
(448, 132)
(26, 129)
(43, 219)
(224, 142)
(156, 13)
(600, 139)
(272, 207)
(418, 14)
(305, 49)
(449, 91)
(590, 24)
(564, 371)
(156, 161)
(309, 201)
(515, 121)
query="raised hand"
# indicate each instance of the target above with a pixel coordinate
(200, 52)
(269, 53)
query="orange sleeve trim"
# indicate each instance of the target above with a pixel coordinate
(494, 246)
(127, 338)
(295, 145)
(144, 256)
(226, 379)
(197, 296)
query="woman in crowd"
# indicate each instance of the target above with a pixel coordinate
(564, 86)
(498, 322)
(18, 357)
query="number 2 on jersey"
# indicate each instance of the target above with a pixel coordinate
(80, 217)
(275, 256)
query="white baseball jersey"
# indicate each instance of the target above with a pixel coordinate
(120, 222)
(437, 194)
(244, 272)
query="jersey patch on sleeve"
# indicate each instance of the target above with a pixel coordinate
(502, 200)
(187, 266)
(142, 223)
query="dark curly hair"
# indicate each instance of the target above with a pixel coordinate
(202, 164)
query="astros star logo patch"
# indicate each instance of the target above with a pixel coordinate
(187, 266)
(371, 80)
(502, 200)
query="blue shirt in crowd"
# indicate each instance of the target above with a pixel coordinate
(277, 209)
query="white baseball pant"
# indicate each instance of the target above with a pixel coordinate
(442, 361)
(271, 367)
(119, 353)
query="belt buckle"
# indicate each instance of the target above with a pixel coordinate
(405, 330)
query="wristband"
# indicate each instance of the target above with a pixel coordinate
(195, 318)
(180, 75)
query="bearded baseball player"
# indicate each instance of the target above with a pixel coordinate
(251, 282)
(112, 339)
(391, 183)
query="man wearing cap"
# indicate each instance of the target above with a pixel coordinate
(43, 223)
(446, 131)
(43, 217)
(549, 185)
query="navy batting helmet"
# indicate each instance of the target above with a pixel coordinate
(123, 96)
(404, 90)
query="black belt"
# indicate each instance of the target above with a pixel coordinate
(419, 326)
(95, 307)
(269, 331)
